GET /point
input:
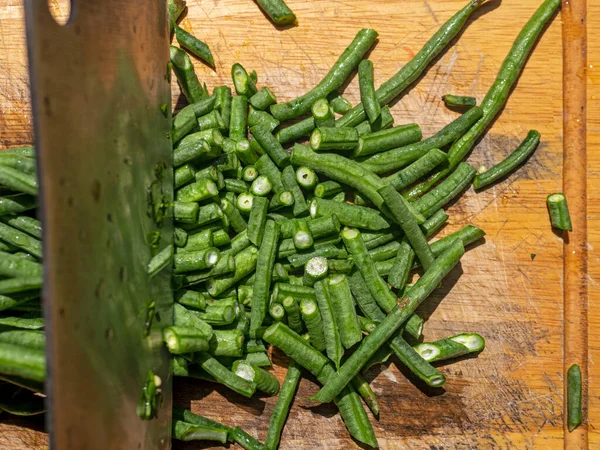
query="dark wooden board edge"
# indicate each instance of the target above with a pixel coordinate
(575, 287)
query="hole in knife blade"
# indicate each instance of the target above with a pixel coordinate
(60, 10)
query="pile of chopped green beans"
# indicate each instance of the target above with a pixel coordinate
(299, 267)
(22, 339)
(269, 251)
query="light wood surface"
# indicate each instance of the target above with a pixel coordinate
(510, 396)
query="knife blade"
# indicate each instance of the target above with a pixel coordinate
(101, 102)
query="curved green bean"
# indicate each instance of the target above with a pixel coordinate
(336, 76)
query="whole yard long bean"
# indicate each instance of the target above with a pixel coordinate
(416, 66)
(18, 181)
(336, 76)
(498, 93)
(14, 266)
(24, 362)
(21, 240)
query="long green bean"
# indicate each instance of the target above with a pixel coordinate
(496, 97)
(282, 407)
(336, 76)
(416, 66)
(405, 308)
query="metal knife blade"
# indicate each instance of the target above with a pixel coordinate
(101, 102)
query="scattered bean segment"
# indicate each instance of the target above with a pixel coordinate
(559, 211)
(574, 410)
(459, 101)
(277, 11)
(259, 254)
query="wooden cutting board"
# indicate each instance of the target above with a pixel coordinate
(509, 289)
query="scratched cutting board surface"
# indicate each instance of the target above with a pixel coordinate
(508, 289)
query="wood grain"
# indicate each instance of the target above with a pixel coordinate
(511, 396)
